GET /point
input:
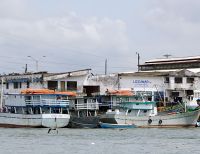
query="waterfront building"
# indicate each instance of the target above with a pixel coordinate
(192, 63)
(72, 81)
(181, 78)
(166, 81)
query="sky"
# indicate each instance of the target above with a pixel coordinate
(69, 35)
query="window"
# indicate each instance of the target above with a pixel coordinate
(71, 85)
(178, 80)
(15, 85)
(117, 99)
(190, 80)
(27, 84)
(167, 80)
(52, 85)
(36, 98)
(7, 85)
(27, 98)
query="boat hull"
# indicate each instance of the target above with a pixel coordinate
(33, 120)
(55, 120)
(188, 119)
(83, 122)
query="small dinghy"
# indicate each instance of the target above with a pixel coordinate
(109, 125)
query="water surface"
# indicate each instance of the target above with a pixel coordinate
(99, 141)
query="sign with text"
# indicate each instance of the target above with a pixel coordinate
(141, 83)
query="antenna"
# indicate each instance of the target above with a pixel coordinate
(167, 55)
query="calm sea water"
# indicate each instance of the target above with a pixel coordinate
(99, 141)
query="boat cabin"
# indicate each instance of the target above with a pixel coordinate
(194, 100)
(84, 106)
(36, 103)
(136, 104)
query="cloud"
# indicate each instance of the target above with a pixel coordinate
(172, 26)
(175, 15)
(13, 9)
(69, 32)
(68, 36)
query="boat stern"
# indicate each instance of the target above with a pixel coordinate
(55, 120)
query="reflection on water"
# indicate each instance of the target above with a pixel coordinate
(99, 141)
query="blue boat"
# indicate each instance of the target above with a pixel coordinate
(109, 125)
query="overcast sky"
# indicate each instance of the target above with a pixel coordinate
(79, 34)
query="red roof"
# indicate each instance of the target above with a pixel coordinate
(46, 91)
(120, 92)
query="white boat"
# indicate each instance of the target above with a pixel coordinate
(35, 108)
(144, 114)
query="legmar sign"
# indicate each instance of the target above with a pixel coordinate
(141, 83)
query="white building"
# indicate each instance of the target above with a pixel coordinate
(72, 81)
(153, 84)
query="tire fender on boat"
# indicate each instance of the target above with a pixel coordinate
(149, 121)
(160, 122)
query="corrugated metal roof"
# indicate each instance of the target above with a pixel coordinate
(192, 58)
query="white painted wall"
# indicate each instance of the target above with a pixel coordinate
(184, 85)
(104, 81)
(140, 83)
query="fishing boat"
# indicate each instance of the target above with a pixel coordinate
(36, 108)
(194, 102)
(83, 112)
(141, 112)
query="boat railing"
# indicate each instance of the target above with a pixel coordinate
(47, 102)
(32, 103)
(50, 102)
(87, 106)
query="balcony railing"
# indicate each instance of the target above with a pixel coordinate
(87, 106)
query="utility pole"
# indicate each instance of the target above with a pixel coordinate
(26, 69)
(106, 67)
(1, 105)
(138, 60)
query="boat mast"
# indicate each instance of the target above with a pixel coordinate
(1, 103)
